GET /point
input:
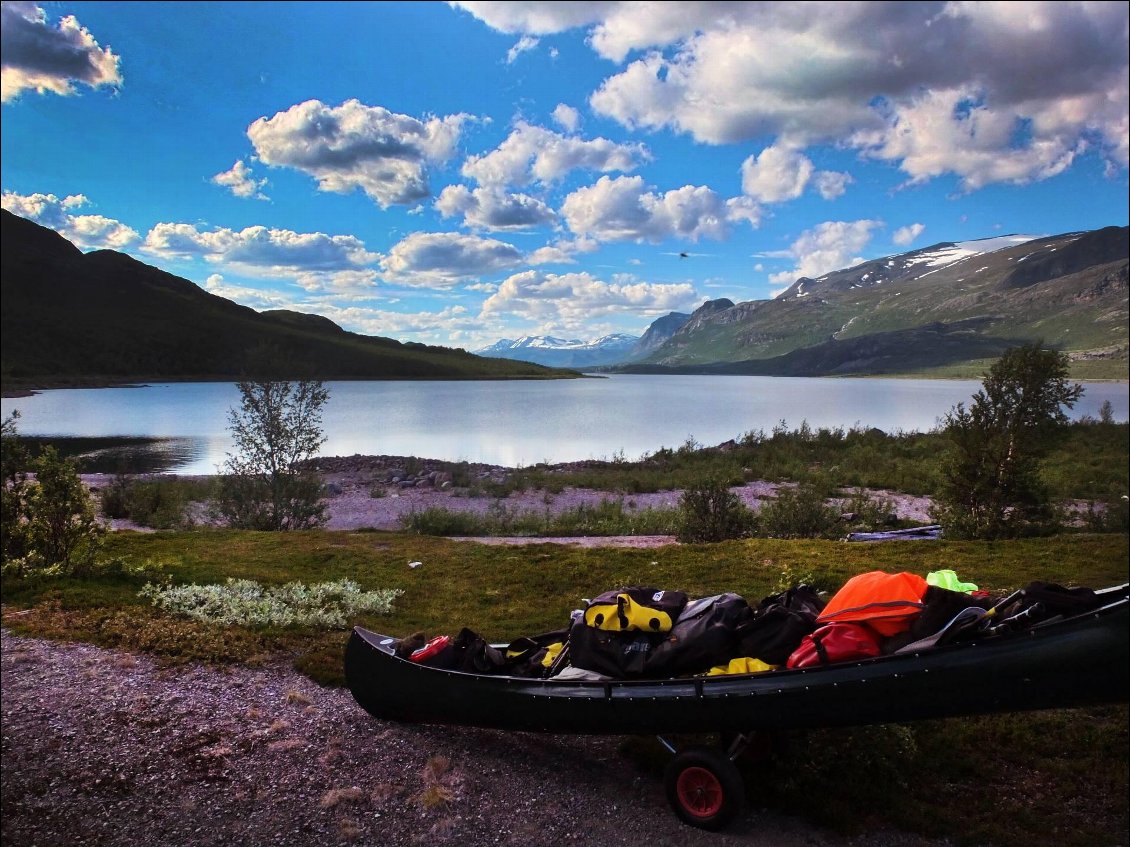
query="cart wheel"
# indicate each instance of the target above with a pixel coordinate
(704, 787)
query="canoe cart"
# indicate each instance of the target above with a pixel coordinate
(1067, 663)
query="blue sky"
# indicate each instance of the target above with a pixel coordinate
(456, 173)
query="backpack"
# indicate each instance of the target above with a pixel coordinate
(614, 654)
(1038, 602)
(467, 652)
(940, 616)
(617, 630)
(534, 655)
(639, 608)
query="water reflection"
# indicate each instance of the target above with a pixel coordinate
(125, 455)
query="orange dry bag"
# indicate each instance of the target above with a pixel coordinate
(887, 602)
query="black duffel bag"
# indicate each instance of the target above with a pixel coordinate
(612, 653)
(779, 624)
(704, 635)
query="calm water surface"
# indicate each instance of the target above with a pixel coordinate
(519, 423)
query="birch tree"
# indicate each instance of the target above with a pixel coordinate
(267, 483)
(991, 486)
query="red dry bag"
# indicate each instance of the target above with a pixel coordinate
(835, 642)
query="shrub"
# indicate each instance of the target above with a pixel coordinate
(799, 512)
(14, 516)
(711, 512)
(610, 517)
(62, 527)
(112, 498)
(436, 520)
(1110, 516)
(868, 511)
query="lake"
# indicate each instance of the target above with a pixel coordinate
(517, 423)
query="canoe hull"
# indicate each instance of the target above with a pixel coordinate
(1079, 662)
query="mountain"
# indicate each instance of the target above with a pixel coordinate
(658, 333)
(943, 309)
(562, 353)
(69, 316)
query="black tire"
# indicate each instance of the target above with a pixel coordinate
(704, 787)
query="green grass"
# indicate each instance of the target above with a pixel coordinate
(505, 592)
(1056, 778)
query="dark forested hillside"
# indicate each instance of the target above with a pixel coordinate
(73, 317)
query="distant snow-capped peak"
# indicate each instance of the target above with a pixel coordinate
(549, 342)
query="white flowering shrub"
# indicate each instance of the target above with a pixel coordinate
(242, 602)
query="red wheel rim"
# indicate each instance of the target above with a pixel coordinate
(699, 792)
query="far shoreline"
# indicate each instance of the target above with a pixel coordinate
(29, 389)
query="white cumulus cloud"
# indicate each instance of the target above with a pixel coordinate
(493, 209)
(625, 209)
(568, 118)
(524, 44)
(535, 154)
(444, 259)
(35, 56)
(988, 92)
(240, 182)
(572, 300)
(260, 250)
(85, 231)
(354, 146)
(782, 172)
(827, 247)
(906, 235)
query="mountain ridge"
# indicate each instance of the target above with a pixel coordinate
(1067, 291)
(104, 316)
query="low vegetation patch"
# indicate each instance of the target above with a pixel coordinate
(156, 502)
(611, 516)
(244, 602)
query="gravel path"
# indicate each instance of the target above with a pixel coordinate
(102, 747)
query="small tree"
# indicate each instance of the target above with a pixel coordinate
(48, 521)
(277, 429)
(991, 486)
(14, 460)
(63, 528)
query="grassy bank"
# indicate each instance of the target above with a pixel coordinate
(503, 592)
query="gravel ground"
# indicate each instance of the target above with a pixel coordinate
(103, 747)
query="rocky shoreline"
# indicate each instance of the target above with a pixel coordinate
(377, 492)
